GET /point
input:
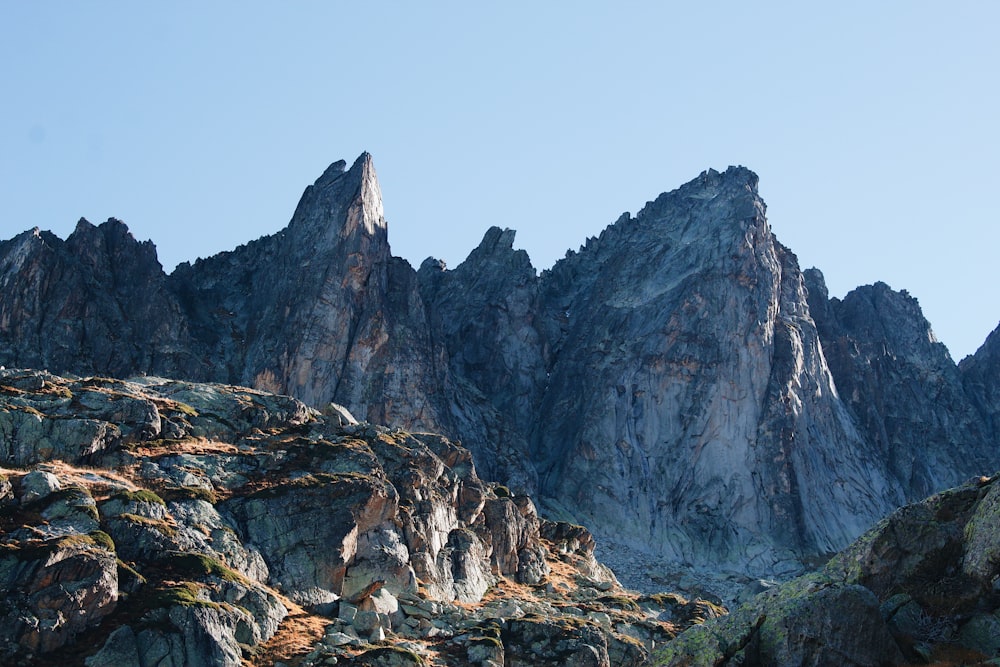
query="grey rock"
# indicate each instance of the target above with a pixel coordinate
(280, 501)
(119, 650)
(902, 387)
(903, 579)
(340, 415)
(981, 380)
(981, 633)
(808, 621)
(485, 652)
(52, 592)
(38, 485)
(982, 540)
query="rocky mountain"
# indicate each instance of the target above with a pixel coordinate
(162, 522)
(678, 385)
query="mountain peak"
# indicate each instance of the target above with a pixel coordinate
(341, 203)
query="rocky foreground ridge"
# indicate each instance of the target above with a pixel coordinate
(920, 587)
(677, 385)
(159, 522)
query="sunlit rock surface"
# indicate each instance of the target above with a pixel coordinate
(219, 525)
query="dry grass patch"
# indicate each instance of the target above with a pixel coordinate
(297, 635)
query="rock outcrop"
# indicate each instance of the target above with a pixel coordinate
(678, 385)
(920, 587)
(170, 522)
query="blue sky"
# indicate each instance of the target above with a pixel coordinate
(872, 126)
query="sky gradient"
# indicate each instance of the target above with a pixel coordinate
(873, 128)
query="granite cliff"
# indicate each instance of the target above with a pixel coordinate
(678, 385)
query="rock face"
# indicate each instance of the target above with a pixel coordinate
(205, 524)
(97, 301)
(689, 404)
(919, 587)
(678, 385)
(902, 387)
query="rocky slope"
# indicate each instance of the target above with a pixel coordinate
(154, 521)
(678, 385)
(920, 587)
(161, 522)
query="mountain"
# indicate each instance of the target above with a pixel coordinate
(157, 521)
(678, 385)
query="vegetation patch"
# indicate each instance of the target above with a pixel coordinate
(41, 549)
(128, 573)
(666, 599)
(340, 485)
(140, 496)
(190, 565)
(59, 390)
(493, 642)
(181, 493)
(159, 525)
(390, 655)
(619, 602)
(102, 539)
(185, 594)
(28, 409)
(101, 382)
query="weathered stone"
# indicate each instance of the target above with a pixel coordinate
(485, 652)
(981, 633)
(809, 621)
(982, 540)
(53, 591)
(38, 485)
(119, 650)
(902, 387)
(339, 415)
(707, 407)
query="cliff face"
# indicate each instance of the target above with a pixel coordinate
(678, 384)
(97, 301)
(981, 380)
(689, 405)
(904, 390)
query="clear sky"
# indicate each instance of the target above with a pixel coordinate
(873, 125)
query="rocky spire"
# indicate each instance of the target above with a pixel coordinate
(341, 206)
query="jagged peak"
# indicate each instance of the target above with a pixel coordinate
(342, 202)
(498, 246)
(736, 182)
(83, 225)
(334, 171)
(369, 195)
(25, 240)
(816, 282)
(498, 239)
